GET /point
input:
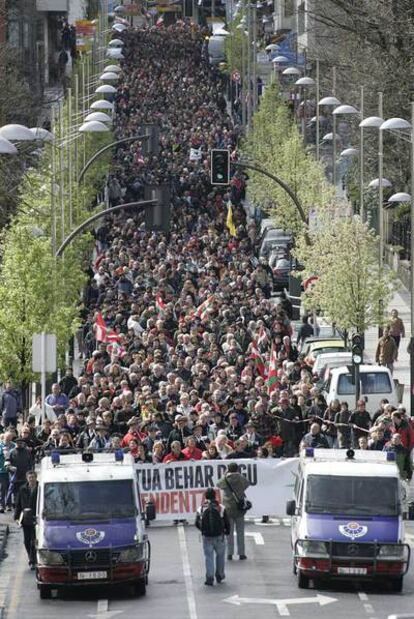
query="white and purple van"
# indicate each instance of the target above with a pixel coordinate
(347, 518)
(90, 523)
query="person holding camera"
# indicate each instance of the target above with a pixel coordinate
(234, 485)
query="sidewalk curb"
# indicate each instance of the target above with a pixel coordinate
(4, 536)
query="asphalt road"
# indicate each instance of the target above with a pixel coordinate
(264, 583)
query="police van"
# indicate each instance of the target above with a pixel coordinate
(90, 525)
(347, 518)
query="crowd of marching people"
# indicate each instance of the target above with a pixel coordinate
(185, 354)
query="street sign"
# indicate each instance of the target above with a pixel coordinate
(49, 352)
(235, 76)
(282, 604)
(309, 281)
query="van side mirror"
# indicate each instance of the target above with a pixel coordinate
(291, 507)
(150, 512)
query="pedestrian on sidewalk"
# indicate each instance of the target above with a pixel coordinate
(213, 522)
(387, 351)
(396, 326)
(25, 514)
(234, 485)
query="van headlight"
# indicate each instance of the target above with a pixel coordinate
(306, 548)
(49, 557)
(129, 555)
(392, 551)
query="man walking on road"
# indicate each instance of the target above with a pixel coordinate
(387, 351)
(10, 405)
(213, 522)
(234, 485)
(25, 514)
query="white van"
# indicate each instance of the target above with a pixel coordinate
(347, 518)
(376, 383)
(329, 360)
(216, 49)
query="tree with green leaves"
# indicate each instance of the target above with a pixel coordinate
(351, 288)
(276, 145)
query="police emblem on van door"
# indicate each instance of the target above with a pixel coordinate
(353, 530)
(90, 536)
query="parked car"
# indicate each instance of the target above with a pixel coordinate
(328, 360)
(216, 50)
(281, 267)
(314, 346)
(376, 383)
(275, 240)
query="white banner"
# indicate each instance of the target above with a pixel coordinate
(177, 489)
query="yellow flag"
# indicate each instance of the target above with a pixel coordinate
(229, 221)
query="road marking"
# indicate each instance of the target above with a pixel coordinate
(257, 537)
(17, 585)
(281, 605)
(107, 614)
(102, 606)
(187, 573)
(363, 596)
(369, 609)
(274, 522)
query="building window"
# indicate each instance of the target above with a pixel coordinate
(289, 8)
(13, 32)
(301, 18)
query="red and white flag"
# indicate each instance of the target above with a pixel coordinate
(103, 333)
(159, 302)
(272, 377)
(203, 309)
(262, 338)
(258, 360)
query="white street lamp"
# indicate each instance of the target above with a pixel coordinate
(93, 126)
(102, 104)
(106, 89)
(400, 197)
(349, 152)
(374, 184)
(119, 27)
(280, 59)
(291, 71)
(42, 134)
(16, 133)
(113, 68)
(305, 81)
(116, 43)
(329, 101)
(100, 116)
(7, 148)
(109, 76)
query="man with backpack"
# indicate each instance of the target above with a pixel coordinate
(213, 522)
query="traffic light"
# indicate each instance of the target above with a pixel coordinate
(357, 348)
(220, 166)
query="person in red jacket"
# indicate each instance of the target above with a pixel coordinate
(133, 432)
(191, 451)
(400, 426)
(175, 454)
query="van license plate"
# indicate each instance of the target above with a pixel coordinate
(92, 575)
(354, 571)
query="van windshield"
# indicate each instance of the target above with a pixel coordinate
(353, 496)
(371, 382)
(98, 500)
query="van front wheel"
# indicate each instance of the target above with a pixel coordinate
(45, 592)
(303, 581)
(141, 587)
(397, 584)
